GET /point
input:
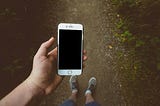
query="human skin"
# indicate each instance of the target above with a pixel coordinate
(42, 81)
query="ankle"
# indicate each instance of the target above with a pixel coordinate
(89, 98)
(88, 92)
(73, 97)
(74, 91)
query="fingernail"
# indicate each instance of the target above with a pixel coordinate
(51, 38)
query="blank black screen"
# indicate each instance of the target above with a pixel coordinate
(70, 42)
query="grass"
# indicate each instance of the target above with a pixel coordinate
(139, 32)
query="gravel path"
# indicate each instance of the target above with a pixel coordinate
(98, 20)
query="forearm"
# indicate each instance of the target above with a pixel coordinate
(42, 80)
(23, 95)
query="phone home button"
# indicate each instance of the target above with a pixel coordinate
(69, 72)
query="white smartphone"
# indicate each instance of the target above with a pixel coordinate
(70, 49)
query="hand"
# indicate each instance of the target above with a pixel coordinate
(43, 75)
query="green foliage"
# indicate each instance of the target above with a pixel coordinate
(124, 35)
(139, 43)
(139, 31)
(138, 22)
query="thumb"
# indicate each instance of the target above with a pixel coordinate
(44, 47)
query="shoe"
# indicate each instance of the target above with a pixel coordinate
(73, 84)
(91, 85)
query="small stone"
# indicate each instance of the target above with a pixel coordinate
(110, 46)
(118, 15)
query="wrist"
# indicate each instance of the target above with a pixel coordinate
(33, 89)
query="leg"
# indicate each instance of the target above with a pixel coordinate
(74, 89)
(89, 98)
(73, 97)
(68, 103)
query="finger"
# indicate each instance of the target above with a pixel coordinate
(53, 52)
(84, 52)
(85, 58)
(44, 47)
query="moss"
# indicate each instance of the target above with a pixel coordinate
(139, 24)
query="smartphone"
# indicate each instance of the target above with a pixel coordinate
(70, 49)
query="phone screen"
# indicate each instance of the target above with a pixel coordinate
(70, 49)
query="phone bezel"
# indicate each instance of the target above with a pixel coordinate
(70, 26)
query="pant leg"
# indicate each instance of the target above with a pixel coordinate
(92, 104)
(68, 103)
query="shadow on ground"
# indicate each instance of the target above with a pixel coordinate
(22, 31)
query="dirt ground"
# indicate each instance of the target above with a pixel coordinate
(25, 24)
(98, 20)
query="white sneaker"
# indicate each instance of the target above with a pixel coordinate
(73, 83)
(91, 85)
